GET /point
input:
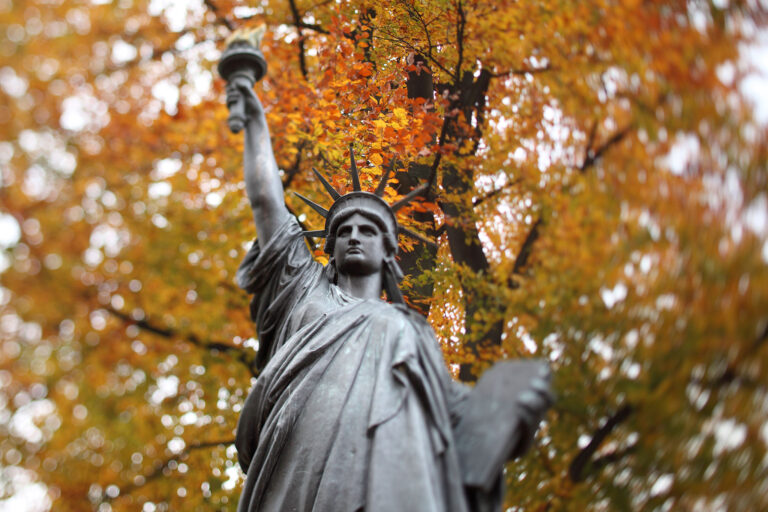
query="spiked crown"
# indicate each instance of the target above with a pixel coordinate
(369, 204)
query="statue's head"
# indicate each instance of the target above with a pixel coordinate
(359, 247)
(361, 232)
(368, 206)
(362, 239)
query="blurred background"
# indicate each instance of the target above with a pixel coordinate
(593, 190)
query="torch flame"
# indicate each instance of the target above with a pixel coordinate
(251, 35)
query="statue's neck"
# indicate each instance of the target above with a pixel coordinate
(363, 287)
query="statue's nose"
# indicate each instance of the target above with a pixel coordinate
(354, 235)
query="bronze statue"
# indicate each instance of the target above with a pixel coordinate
(354, 408)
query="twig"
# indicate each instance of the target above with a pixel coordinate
(297, 21)
(593, 155)
(579, 463)
(418, 191)
(159, 468)
(220, 17)
(493, 193)
(525, 249)
(460, 37)
(243, 355)
(522, 71)
(408, 46)
(294, 170)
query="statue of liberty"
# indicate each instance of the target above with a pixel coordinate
(354, 408)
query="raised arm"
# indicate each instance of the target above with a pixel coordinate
(262, 180)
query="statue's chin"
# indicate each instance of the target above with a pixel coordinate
(357, 267)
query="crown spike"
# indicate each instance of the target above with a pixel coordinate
(384, 179)
(319, 209)
(314, 234)
(332, 191)
(353, 170)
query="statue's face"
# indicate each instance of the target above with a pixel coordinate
(359, 248)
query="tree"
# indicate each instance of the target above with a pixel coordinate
(591, 186)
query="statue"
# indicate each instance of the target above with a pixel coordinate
(354, 408)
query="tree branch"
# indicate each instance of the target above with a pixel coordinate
(593, 155)
(582, 459)
(416, 14)
(493, 193)
(431, 180)
(761, 338)
(312, 26)
(615, 456)
(522, 71)
(161, 467)
(291, 173)
(220, 17)
(297, 21)
(242, 354)
(421, 190)
(731, 373)
(408, 46)
(460, 37)
(525, 249)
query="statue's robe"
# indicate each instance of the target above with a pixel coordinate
(354, 405)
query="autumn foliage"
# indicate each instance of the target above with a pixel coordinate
(590, 187)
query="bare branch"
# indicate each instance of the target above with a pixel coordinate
(312, 26)
(460, 37)
(522, 71)
(160, 467)
(582, 459)
(392, 38)
(242, 354)
(525, 249)
(490, 195)
(220, 17)
(421, 190)
(593, 155)
(291, 173)
(297, 21)
(416, 14)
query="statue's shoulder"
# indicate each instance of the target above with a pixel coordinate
(410, 315)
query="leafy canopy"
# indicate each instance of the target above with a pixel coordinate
(591, 188)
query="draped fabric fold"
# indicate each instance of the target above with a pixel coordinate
(353, 406)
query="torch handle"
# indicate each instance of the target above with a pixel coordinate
(237, 112)
(236, 119)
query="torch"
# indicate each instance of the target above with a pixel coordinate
(242, 58)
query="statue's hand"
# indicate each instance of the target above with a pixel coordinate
(533, 404)
(242, 102)
(241, 89)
